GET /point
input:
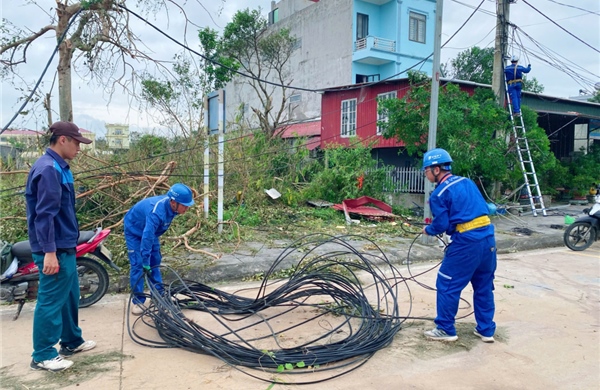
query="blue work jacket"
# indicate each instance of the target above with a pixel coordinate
(510, 74)
(50, 198)
(147, 220)
(457, 200)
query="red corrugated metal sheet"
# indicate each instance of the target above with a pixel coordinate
(367, 207)
(303, 129)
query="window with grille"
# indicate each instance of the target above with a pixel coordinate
(348, 118)
(416, 27)
(383, 115)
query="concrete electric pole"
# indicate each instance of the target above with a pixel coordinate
(435, 89)
(501, 49)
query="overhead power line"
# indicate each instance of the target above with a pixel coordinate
(222, 65)
(573, 6)
(555, 60)
(489, 13)
(245, 75)
(562, 28)
(314, 90)
(25, 101)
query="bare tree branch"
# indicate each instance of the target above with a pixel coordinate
(15, 45)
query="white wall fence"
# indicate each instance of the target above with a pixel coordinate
(406, 180)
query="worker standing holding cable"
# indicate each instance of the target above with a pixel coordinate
(459, 210)
(144, 223)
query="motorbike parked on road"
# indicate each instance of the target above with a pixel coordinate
(582, 233)
(20, 281)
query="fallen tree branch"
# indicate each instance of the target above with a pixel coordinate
(12, 172)
(185, 242)
(12, 217)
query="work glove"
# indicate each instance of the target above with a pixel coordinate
(146, 269)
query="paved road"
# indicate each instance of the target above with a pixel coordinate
(548, 338)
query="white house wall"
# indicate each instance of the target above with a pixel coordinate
(290, 7)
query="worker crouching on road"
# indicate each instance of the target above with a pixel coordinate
(459, 210)
(144, 224)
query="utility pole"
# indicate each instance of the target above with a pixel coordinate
(221, 161)
(500, 54)
(207, 131)
(214, 123)
(433, 110)
(501, 48)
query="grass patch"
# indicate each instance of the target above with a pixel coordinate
(86, 367)
(411, 342)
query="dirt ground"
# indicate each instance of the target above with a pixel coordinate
(548, 316)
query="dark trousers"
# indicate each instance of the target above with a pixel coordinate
(56, 315)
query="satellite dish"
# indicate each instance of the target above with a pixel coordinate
(597, 86)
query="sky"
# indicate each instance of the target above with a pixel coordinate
(568, 43)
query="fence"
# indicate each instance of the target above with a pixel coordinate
(406, 180)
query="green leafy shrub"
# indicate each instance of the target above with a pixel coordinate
(350, 172)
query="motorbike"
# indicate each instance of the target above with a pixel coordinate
(22, 283)
(582, 233)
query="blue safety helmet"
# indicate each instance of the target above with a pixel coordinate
(437, 157)
(181, 194)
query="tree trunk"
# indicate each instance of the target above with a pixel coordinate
(65, 53)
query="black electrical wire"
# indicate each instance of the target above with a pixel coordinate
(562, 28)
(557, 61)
(250, 76)
(317, 90)
(346, 324)
(572, 6)
(327, 284)
(224, 66)
(180, 151)
(25, 101)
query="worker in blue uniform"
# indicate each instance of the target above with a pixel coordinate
(459, 210)
(514, 79)
(144, 224)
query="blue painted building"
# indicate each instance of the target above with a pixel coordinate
(342, 42)
(391, 36)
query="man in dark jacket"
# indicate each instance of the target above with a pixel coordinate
(53, 234)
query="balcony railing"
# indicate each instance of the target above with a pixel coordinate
(377, 43)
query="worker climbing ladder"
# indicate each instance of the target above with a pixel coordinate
(524, 153)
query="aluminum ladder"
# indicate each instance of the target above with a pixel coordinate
(524, 153)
